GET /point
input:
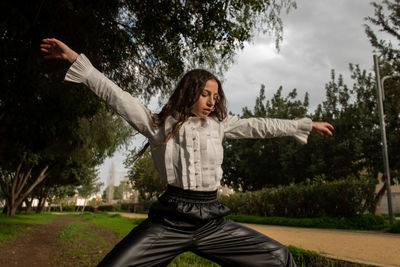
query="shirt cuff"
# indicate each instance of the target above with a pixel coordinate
(304, 127)
(79, 69)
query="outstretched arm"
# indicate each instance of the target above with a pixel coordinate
(55, 49)
(82, 71)
(322, 128)
(236, 128)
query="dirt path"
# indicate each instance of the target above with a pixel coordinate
(36, 248)
(39, 246)
(369, 247)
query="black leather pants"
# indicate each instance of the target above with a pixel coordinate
(184, 220)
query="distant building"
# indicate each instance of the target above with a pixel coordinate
(128, 193)
(382, 207)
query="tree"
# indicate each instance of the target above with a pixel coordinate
(341, 155)
(94, 139)
(251, 164)
(144, 176)
(144, 46)
(90, 186)
(387, 20)
(254, 164)
(59, 194)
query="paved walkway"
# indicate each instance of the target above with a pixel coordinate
(369, 247)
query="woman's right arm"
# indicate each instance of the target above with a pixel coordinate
(82, 71)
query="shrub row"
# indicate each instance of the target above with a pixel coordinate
(342, 198)
(364, 222)
(142, 207)
(395, 228)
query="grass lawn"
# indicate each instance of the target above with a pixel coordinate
(20, 223)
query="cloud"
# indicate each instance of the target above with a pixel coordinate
(318, 36)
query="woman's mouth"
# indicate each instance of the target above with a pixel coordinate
(206, 111)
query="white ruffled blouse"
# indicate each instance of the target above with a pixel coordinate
(192, 159)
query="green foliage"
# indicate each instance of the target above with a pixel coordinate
(361, 222)
(395, 227)
(143, 175)
(386, 20)
(18, 224)
(77, 238)
(305, 258)
(189, 259)
(251, 164)
(146, 204)
(341, 198)
(113, 207)
(115, 222)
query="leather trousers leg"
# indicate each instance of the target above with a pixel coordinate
(174, 227)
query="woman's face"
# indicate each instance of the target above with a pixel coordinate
(205, 104)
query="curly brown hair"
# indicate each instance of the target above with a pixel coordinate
(180, 103)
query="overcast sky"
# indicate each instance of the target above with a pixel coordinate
(320, 35)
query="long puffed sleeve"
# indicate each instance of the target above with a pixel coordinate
(134, 112)
(235, 128)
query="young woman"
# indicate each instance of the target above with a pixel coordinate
(186, 142)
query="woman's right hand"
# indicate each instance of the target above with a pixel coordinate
(55, 49)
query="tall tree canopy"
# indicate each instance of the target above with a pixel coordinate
(387, 20)
(143, 175)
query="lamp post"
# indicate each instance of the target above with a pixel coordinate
(381, 95)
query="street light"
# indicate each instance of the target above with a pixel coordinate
(381, 97)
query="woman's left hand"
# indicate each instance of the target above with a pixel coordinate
(322, 128)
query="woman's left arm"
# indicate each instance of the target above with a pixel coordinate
(237, 128)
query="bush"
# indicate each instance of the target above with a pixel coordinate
(395, 228)
(342, 198)
(364, 222)
(145, 204)
(126, 207)
(69, 208)
(113, 207)
(306, 258)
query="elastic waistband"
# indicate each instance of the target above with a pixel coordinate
(174, 194)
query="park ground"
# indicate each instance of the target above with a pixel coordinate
(73, 240)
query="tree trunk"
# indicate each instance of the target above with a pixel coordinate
(378, 199)
(84, 205)
(42, 200)
(12, 211)
(13, 184)
(28, 203)
(11, 207)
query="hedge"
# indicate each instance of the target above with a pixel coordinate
(342, 198)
